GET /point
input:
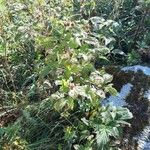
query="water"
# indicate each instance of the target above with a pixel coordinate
(145, 70)
(119, 99)
(147, 95)
(133, 82)
(144, 139)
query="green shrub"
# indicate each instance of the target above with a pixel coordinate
(49, 74)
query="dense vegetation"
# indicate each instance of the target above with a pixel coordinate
(53, 55)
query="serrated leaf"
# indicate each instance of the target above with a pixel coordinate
(102, 137)
(115, 132)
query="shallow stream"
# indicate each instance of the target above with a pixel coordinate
(133, 84)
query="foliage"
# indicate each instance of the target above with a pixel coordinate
(132, 17)
(133, 58)
(52, 70)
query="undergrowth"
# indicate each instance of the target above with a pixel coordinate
(52, 73)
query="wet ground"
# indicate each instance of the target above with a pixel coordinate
(134, 85)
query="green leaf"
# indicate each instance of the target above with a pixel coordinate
(2, 131)
(102, 137)
(2, 49)
(46, 70)
(115, 132)
(103, 60)
(124, 113)
(85, 121)
(73, 43)
(60, 104)
(2, 6)
(70, 103)
(111, 90)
